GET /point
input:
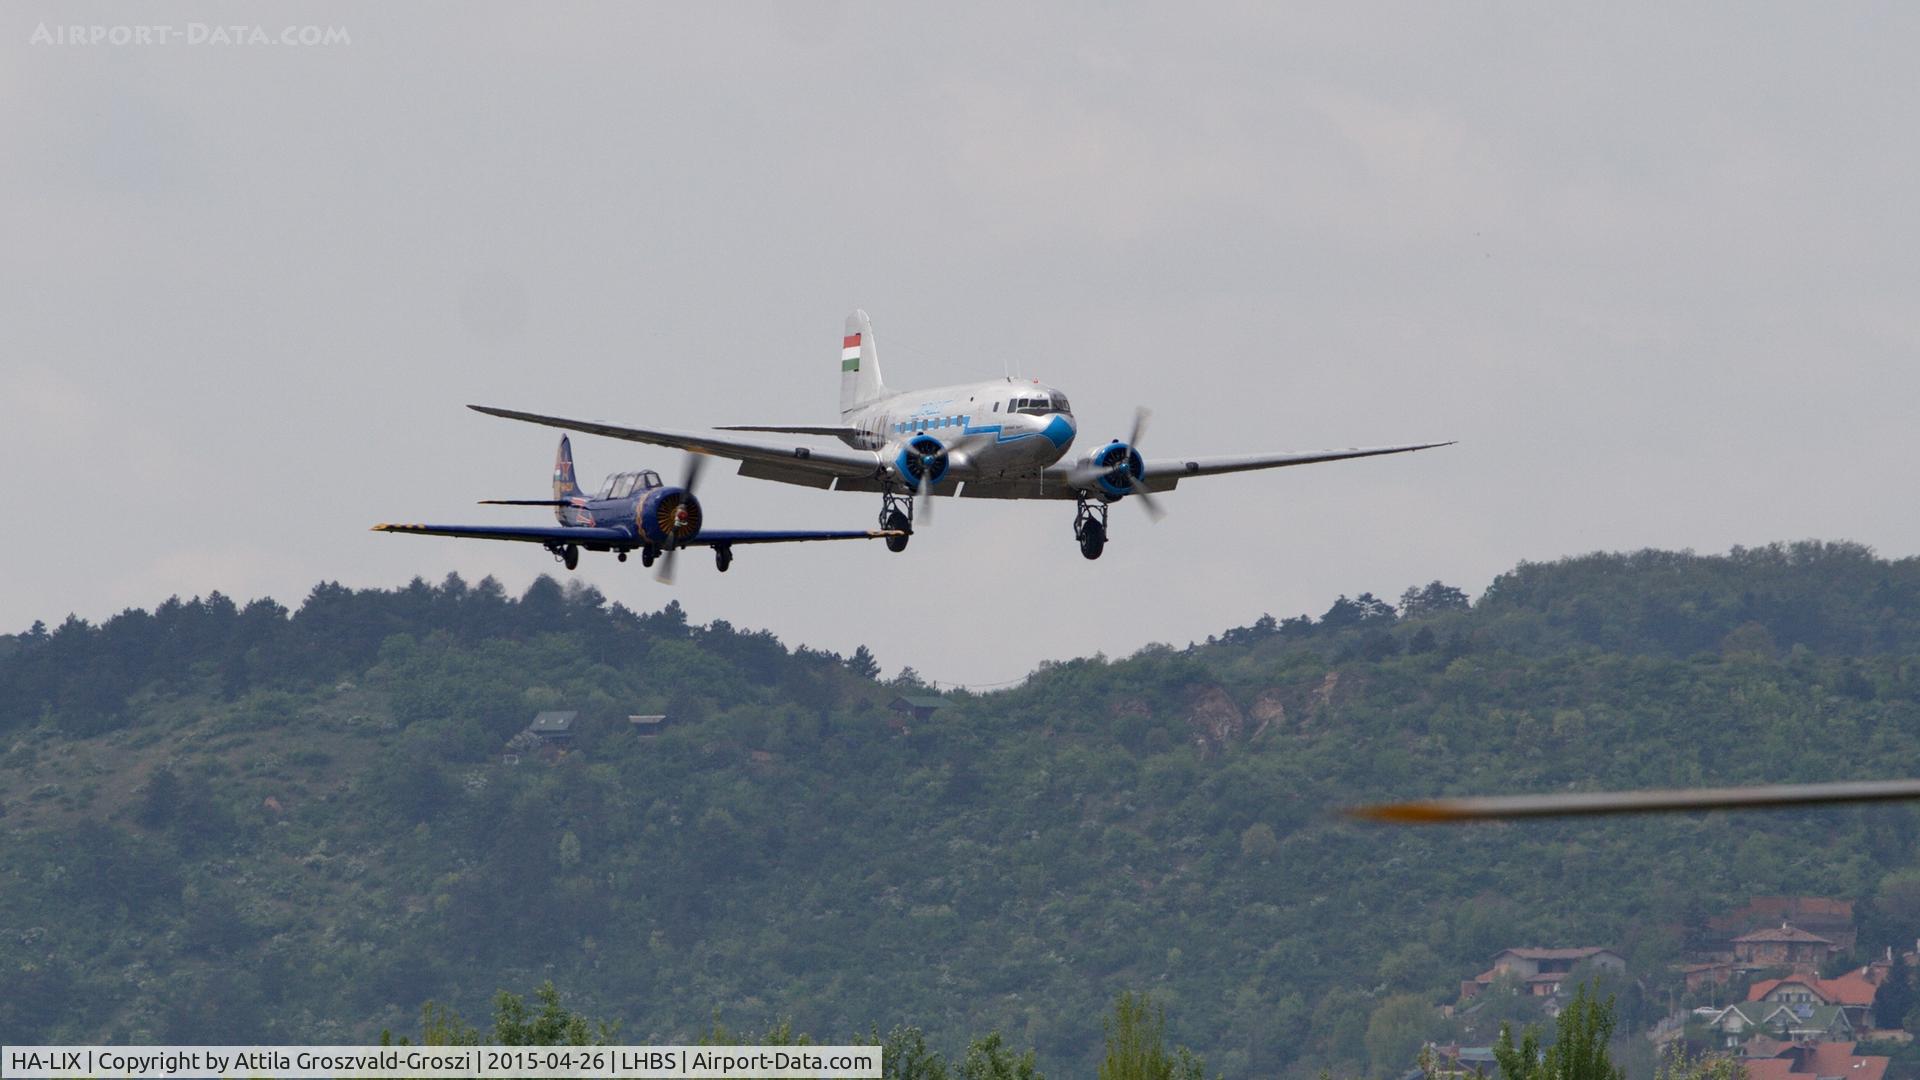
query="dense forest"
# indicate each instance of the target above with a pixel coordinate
(254, 824)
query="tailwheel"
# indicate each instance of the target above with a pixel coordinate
(723, 557)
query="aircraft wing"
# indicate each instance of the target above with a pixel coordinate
(802, 461)
(1164, 474)
(716, 537)
(838, 431)
(560, 534)
(531, 534)
(1162, 470)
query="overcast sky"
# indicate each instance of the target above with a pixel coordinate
(1659, 271)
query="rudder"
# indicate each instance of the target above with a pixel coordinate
(859, 364)
(564, 484)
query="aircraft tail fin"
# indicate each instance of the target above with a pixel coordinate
(859, 364)
(564, 484)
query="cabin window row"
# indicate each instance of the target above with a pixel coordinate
(930, 424)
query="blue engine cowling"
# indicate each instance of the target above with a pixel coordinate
(668, 517)
(923, 455)
(1115, 467)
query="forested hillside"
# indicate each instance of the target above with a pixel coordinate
(257, 825)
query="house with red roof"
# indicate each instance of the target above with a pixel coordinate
(1817, 1061)
(1542, 971)
(1828, 917)
(1785, 946)
(1852, 991)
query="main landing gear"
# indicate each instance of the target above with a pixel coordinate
(722, 556)
(1090, 526)
(896, 512)
(568, 554)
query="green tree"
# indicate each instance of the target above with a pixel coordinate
(863, 664)
(1680, 1065)
(1259, 842)
(1397, 1030)
(1137, 1045)
(1581, 1035)
(904, 1055)
(550, 1024)
(1894, 999)
(989, 1059)
(159, 798)
(1579, 1050)
(1897, 903)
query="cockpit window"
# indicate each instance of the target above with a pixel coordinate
(1038, 406)
(623, 486)
(606, 486)
(1060, 403)
(649, 480)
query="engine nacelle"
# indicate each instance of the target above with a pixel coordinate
(1114, 467)
(923, 455)
(668, 517)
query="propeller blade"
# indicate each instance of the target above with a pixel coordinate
(695, 463)
(1140, 416)
(663, 573)
(923, 503)
(1148, 502)
(1585, 803)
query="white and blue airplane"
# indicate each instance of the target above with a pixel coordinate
(998, 439)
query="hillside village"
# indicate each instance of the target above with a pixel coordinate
(1775, 985)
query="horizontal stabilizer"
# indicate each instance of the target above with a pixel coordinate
(525, 502)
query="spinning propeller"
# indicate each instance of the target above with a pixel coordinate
(1589, 803)
(695, 462)
(924, 460)
(1116, 469)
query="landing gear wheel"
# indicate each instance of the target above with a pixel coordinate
(622, 556)
(1090, 525)
(571, 556)
(897, 520)
(1093, 539)
(648, 554)
(722, 558)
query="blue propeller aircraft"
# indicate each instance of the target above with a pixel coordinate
(633, 510)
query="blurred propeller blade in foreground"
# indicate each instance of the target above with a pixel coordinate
(1577, 804)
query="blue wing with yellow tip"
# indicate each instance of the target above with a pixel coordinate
(593, 535)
